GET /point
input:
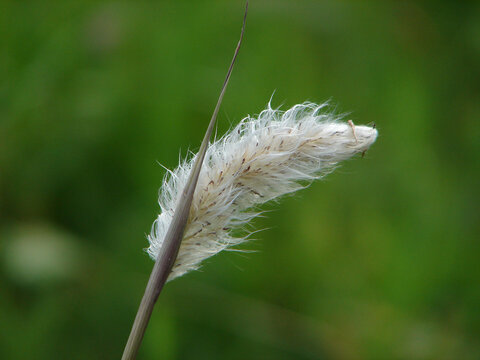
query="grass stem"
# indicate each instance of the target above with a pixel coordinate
(168, 253)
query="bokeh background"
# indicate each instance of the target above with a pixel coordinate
(379, 261)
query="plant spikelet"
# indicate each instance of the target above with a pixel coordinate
(259, 160)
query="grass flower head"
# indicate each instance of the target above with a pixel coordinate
(259, 160)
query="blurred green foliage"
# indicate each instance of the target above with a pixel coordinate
(379, 261)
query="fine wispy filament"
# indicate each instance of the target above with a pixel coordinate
(259, 160)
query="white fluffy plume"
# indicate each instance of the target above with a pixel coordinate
(259, 160)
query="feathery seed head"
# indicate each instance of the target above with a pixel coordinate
(259, 160)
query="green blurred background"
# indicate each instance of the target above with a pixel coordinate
(379, 261)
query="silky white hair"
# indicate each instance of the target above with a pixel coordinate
(259, 160)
